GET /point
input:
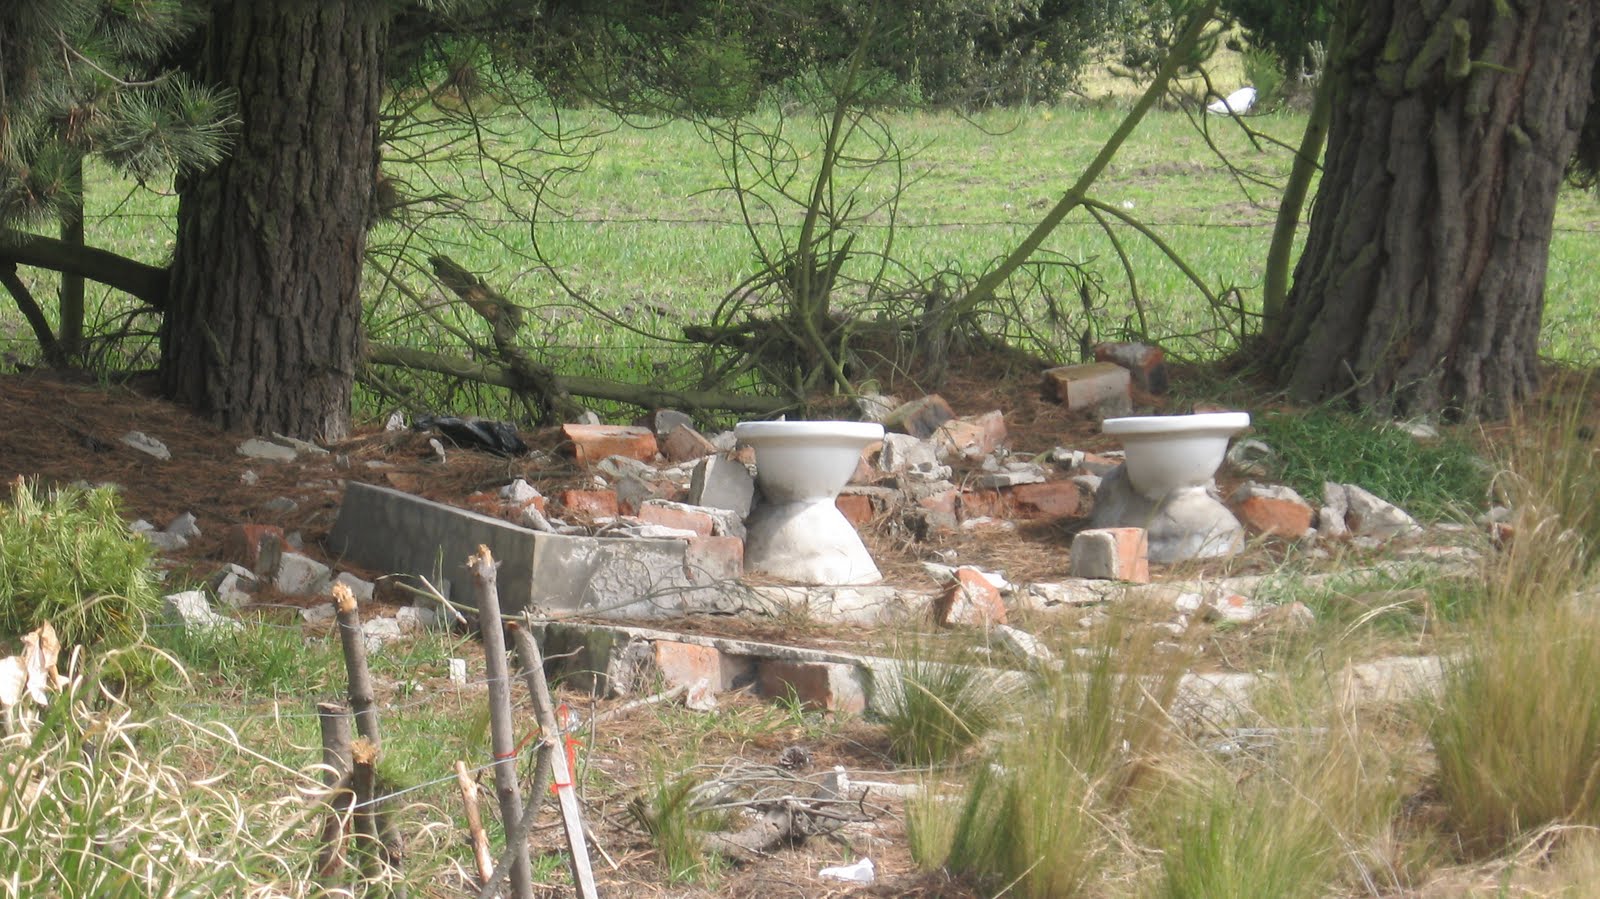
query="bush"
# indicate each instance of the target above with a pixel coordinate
(68, 558)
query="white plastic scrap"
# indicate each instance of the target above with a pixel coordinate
(860, 872)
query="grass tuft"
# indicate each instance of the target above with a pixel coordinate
(1432, 479)
(938, 708)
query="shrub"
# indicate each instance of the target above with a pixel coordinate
(67, 557)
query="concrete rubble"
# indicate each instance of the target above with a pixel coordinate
(654, 529)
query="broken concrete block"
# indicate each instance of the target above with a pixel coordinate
(1331, 517)
(146, 444)
(362, 590)
(818, 686)
(378, 632)
(876, 406)
(1370, 516)
(191, 610)
(1014, 475)
(1098, 387)
(972, 599)
(684, 444)
(973, 437)
(185, 526)
(301, 575)
(677, 515)
(1273, 510)
(722, 483)
(235, 586)
(321, 613)
(920, 418)
(520, 493)
(664, 421)
(1112, 554)
(592, 443)
(256, 448)
(1146, 364)
(1022, 644)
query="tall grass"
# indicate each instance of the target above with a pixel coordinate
(1042, 808)
(1517, 731)
(937, 707)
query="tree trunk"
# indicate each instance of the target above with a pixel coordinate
(1421, 285)
(263, 324)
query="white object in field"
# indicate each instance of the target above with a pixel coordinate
(1236, 103)
(860, 872)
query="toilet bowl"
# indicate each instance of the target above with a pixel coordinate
(1168, 452)
(797, 533)
(1165, 484)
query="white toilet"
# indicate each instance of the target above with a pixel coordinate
(1165, 484)
(797, 533)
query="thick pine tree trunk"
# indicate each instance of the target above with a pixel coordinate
(1421, 285)
(262, 331)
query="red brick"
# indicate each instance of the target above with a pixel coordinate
(983, 504)
(685, 664)
(1147, 364)
(684, 444)
(683, 519)
(973, 437)
(1088, 386)
(255, 546)
(591, 443)
(866, 470)
(712, 559)
(1051, 499)
(820, 686)
(971, 600)
(1281, 518)
(857, 508)
(590, 504)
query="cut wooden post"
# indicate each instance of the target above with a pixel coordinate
(502, 741)
(480, 840)
(334, 720)
(364, 822)
(571, 815)
(355, 663)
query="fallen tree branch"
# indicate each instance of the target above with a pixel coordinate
(146, 282)
(641, 395)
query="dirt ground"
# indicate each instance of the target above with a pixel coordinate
(61, 430)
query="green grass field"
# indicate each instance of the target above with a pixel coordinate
(647, 232)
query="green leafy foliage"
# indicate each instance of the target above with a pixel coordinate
(67, 557)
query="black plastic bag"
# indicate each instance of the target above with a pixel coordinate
(496, 437)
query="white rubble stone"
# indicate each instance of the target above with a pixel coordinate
(1022, 643)
(320, 613)
(359, 588)
(1370, 516)
(185, 526)
(301, 575)
(146, 444)
(378, 631)
(395, 422)
(164, 541)
(1251, 457)
(256, 448)
(519, 491)
(298, 445)
(458, 672)
(191, 610)
(1331, 517)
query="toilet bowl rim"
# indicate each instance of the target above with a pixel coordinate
(865, 431)
(1225, 423)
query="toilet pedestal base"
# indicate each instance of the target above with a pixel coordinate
(809, 542)
(1188, 523)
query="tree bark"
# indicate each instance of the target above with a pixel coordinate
(1421, 285)
(262, 329)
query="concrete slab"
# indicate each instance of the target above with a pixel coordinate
(395, 532)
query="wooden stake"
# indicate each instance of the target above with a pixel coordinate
(355, 663)
(335, 723)
(502, 740)
(480, 840)
(571, 815)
